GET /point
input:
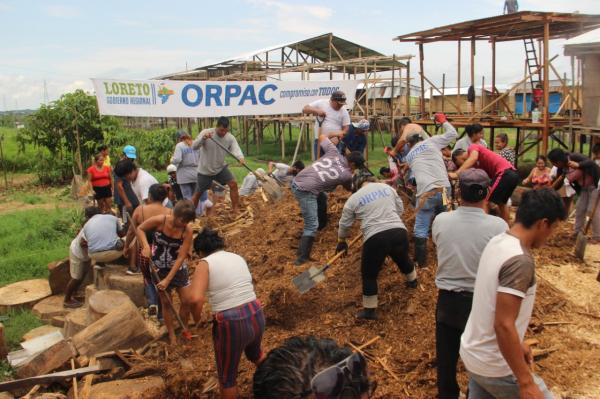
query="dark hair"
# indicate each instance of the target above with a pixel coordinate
(473, 193)
(185, 210)
(473, 129)
(541, 158)
(288, 369)
(91, 211)
(157, 192)
(414, 138)
(448, 147)
(298, 165)
(405, 121)
(208, 241)
(384, 169)
(124, 167)
(356, 157)
(557, 155)
(540, 204)
(503, 137)
(223, 121)
(457, 153)
(596, 148)
(103, 147)
(97, 157)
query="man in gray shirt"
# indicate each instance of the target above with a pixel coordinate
(427, 164)
(103, 233)
(212, 165)
(185, 158)
(460, 238)
(379, 208)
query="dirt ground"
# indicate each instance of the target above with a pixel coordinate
(566, 319)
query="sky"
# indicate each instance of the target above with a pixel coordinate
(65, 43)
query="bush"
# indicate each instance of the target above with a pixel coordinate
(154, 147)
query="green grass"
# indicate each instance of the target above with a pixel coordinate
(18, 323)
(30, 239)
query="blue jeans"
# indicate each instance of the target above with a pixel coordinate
(500, 387)
(433, 206)
(310, 210)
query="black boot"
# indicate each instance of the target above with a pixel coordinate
(421, 251)
(367, 314)
(322, 210)
(306, 243)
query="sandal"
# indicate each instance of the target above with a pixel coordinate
(72, 304)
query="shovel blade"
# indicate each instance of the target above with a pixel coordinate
(308, 279)
(580, 245)
(272, 188)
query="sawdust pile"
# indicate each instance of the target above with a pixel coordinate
(406, 349)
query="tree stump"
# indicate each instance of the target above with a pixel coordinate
(104, 301)
(23, 294)
(50, 307)
(139, 388)
(59, 275)
(39, 331)
(3, 347)
(122, 328)
(75, 322)
(89, 291)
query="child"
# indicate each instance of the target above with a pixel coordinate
(447, 153)
(169, 251)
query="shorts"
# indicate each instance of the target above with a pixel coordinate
(102, 192)
(234, 331)
(78, 268)
(205, 181)
(503, 186)
(180, 280)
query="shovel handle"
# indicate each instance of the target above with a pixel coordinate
(233, 156)
(339, 254)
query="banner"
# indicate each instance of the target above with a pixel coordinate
(198, 99)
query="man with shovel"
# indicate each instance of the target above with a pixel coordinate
(211, 163)
(332, 119)
(379, 208)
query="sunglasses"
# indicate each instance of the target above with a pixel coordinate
(347, 375)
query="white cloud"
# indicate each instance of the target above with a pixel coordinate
(583, 6)
(298, 18)
(62, 11)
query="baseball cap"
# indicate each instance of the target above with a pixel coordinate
(363, 124)
(181, 134)
(473, 184)
(338, 96)
(171, 168)
(130, 152)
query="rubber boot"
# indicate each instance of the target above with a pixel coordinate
(421, 251)
(367, 314)
(306, 243)
(411, 279)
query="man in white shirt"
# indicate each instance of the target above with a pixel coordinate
(332, 119)
(492, 347)
(285, 173)
(250, 183)
(140, 179)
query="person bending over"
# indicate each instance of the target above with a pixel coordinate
(285, 173)
(473, 135)
(223, 279)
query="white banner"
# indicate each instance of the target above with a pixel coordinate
(177, 98)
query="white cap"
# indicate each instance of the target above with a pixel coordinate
(171, 168)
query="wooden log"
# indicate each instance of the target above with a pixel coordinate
(47, 360)
(39, 331)
(122, 328)
(89, 291)
(23, 294)
(48, 378)
(58, 321)
(59, 275)
(75, 322)
(103, 302)
(50, 307)
(139, 388)
(3, 347)
(133, 286)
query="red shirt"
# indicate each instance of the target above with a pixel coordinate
(492, 163)
(99, 178)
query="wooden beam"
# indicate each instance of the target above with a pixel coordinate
(473, 70)
(48, 378)
(458, 81)
(392, 98)
(443, 92)
(494, 71)
(407, 94)
(563, 82)
(439, 91)
(546, 130)
(421, 72)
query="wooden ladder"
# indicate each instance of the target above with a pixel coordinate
(532, 63)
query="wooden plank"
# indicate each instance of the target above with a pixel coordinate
(421, 72)
(48, 378)
(546, 130)
(88, 380)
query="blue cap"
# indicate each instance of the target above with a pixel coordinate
(130, 152)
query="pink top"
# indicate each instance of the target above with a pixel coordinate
(492, 163)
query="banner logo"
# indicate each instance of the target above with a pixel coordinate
(164, 93)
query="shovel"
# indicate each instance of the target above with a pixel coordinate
(186, 334)
(270, 185)
(581, 242)
(305, 281)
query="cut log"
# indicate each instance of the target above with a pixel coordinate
(89, 291)
(23, 294)
(133, 286)
(3, 347)
(6, 395)
(139, 388)
(50, 307)
(58, 276)
(58, 321)
(104, 301)
(122, 328)
(101, 275)
(75, 322)
(48, 360)
(39, 331)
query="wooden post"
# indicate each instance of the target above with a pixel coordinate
(422, 103)
(572, 101)
(482, 92)
(524, 99)
(366, 85)
(443, 92)
(392, 94)
(407, 94)
(473, 70)
(458, 81)
(431, 110)
(495, 110)
(546, 129)
(246, 135)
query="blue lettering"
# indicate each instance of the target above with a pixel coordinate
(185, 97)
(249, 94)
(262, 92)
(230, 92)
(213, 92)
